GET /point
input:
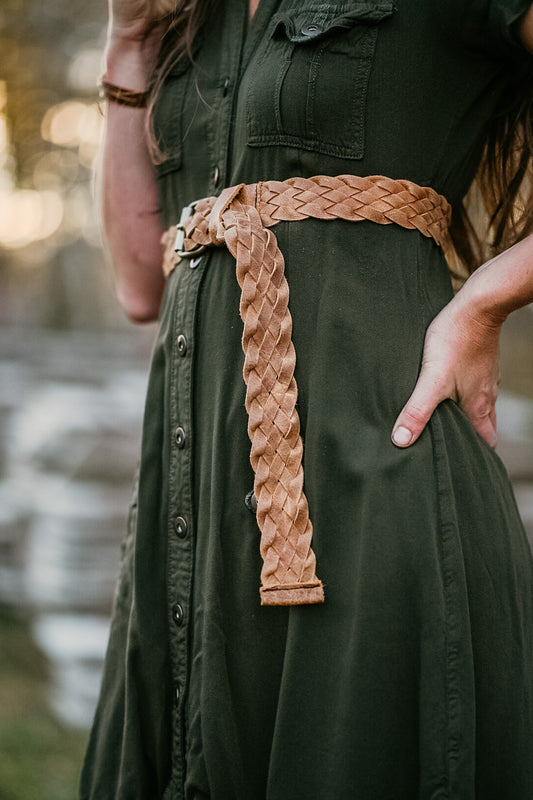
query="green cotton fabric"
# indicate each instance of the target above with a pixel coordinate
(415, 678)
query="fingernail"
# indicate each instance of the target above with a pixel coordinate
(401, 436)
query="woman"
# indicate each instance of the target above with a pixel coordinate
(414, 678)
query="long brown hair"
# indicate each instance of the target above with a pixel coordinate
(498, 209)
(177, 47)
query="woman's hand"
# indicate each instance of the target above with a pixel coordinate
(134, 34)
(135, 19)
(460, 362)
(461, 349)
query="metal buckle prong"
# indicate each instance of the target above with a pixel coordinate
(187, 212)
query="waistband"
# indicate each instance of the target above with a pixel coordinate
(239, 218)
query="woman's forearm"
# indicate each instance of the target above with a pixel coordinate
(129, 197)
(502, 285)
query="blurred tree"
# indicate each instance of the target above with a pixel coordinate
(51, 266)
(41, 41)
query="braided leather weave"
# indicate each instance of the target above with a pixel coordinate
(239, 218)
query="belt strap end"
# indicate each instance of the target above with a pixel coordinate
(295, 596)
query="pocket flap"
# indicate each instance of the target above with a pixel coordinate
(312, 23)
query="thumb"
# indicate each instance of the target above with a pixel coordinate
(413, 418)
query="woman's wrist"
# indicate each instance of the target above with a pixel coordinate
(130, 60)
(501, 285)
(127, 68)
(479, 301)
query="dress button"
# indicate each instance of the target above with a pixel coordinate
(177, 614)
(180, 526)
(311, 30)
(178, 692)
(216, 176)
(225, 87)
(251, 502)
(180, 437)
(182, 344)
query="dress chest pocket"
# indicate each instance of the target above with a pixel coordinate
(310, 77)
(168, 118)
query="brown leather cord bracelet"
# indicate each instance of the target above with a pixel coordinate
(124, 97)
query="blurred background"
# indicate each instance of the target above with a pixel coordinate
(72, 380)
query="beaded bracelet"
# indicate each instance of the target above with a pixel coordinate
(124, 97)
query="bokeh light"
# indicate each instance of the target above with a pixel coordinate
(84, 67)
(31, 214)
(72, 124)
(28, 215)
(50, 129)
(55, 169)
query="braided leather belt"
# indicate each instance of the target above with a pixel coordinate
(239, 219)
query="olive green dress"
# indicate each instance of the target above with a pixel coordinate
(415, 678)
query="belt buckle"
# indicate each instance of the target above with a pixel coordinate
(187, 212)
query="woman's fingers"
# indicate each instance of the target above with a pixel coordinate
(482, 414)
(487, 429)
(163, 7)
(135, 18)
(427, 394)
(478, 400)
(460, 362)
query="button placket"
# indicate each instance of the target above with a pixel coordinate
(180, 511)
(181, 523)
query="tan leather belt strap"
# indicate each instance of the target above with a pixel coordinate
(239, 219)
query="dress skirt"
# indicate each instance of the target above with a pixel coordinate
(414, 679)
